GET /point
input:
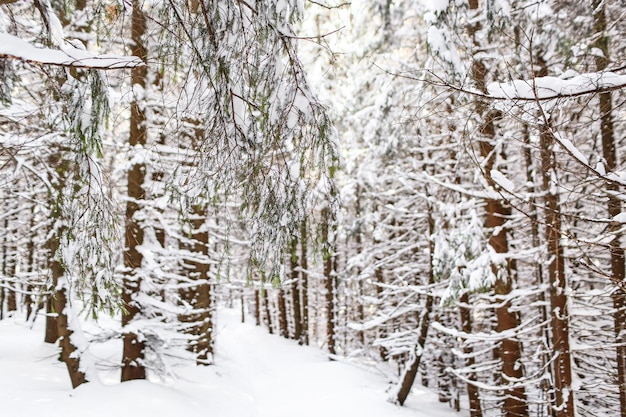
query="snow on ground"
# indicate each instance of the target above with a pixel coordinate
(255, 375)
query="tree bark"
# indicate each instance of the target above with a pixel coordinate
(295, 291)
(268, 312)
(559, 316)
(202, 301)
(283, 329)
(496, 214)
(51, 334)
(133, 346)
(329, 278)
(466, 327)
(304, 279)
(58, 302)
(510, 350)
(257, 307)
(412, 366)
(609, 151)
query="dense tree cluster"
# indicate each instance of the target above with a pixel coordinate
(480, 238)
(468, 235)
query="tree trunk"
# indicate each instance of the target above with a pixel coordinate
(268, 312)
(29, 300)
(412, 366)
(358, 282)
(283, 328)
(133, 347)
(466, 327)
(533, 215)
(52, 331)
(58, 303)
(257, 307)
(495, 218)
(295, 292)
(304, 279)
(510, 349)
(329, 278)
(10, 269)
(69, 354)
(202, 299)
(559, 318)
(609, 151)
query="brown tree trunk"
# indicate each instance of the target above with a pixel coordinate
(546, 385)
(466, 327)
(8, 271)
(304, 280)
(202, 301)
(295, 292)
(268, 312)
(609, 151)
(52, 331)
(58, 303)
(3, 270)
(257, 306)
(559, 317)
(510, 349)
(329, 278)
(29, 300)
(495, 218)
(283, 328)
(412, 366)
(133, 347)
(68, 349)
(358, 282)
(11, 264)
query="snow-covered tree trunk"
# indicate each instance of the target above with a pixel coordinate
(202, 297)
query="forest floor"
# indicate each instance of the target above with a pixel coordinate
(255, 375)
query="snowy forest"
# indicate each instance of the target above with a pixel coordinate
(429, 188)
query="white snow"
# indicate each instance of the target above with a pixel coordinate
(573, 150)
(620, 218)
(502, 181)
(437, 6)
(543, 88)
(256, 374)
(68, 56)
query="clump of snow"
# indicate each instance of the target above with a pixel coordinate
(544, 88)
(502, 181)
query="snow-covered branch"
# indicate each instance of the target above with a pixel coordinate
(13, 47)
(550, 88)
